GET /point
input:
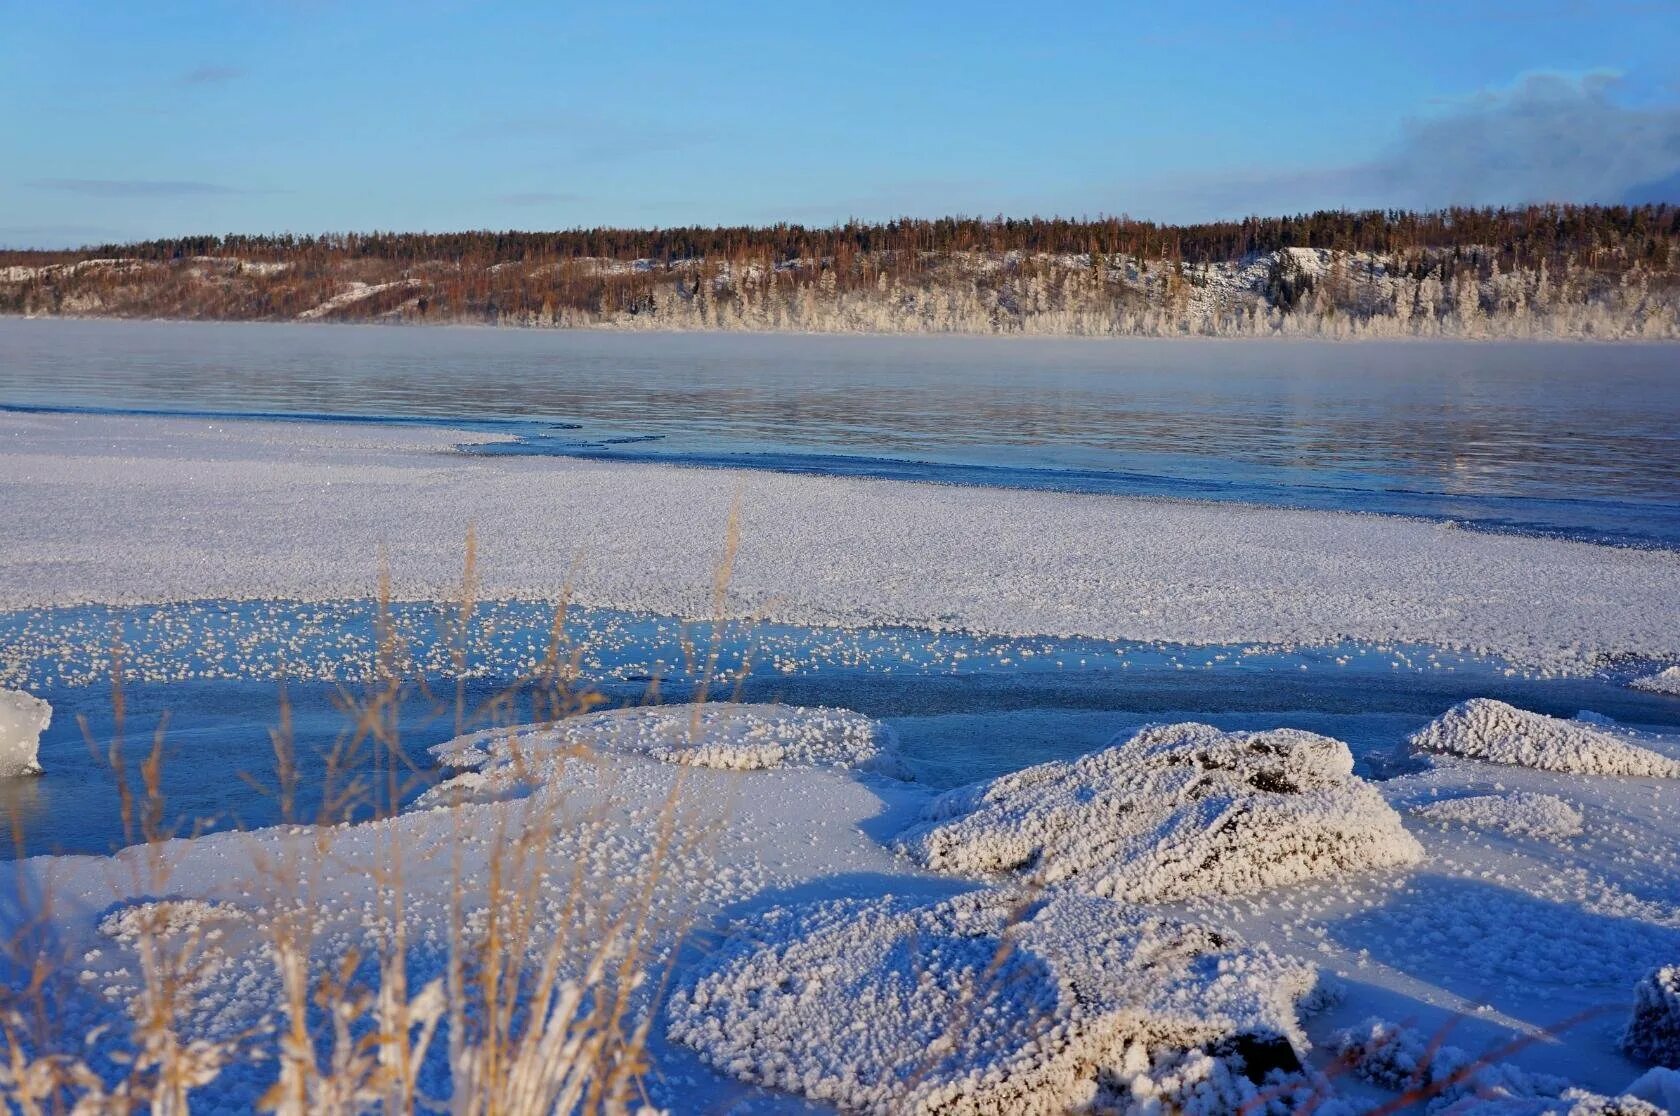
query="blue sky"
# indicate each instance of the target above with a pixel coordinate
(129, 120)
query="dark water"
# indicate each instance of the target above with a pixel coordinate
(964, 707)
(1579, 440)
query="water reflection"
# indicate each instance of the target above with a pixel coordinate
(1558, 422)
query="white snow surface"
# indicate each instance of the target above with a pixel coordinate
(983, 1003)
(1485, 729)
(23, 718)
(1518, 814)
(1172, 812)
(300, 511)
(1665, 681)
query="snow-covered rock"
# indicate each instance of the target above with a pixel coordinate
(1174, 811)
(23, 718)
(1491, 731)
(985, 1003)
(1665, 681)
(724, 735)
(1653, 1032)
(1518, 814)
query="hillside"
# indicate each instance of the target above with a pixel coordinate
(1601, 272)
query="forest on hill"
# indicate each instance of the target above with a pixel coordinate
(1536, 271)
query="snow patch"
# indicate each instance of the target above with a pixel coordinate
(984, 1003)
(1518, 814)
(1653, 1033)
(23, 718)
(1173, 812)
(1491, 731)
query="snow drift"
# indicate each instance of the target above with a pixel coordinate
(723, 735)
(1493, 732)
(985, 1003)
(23, 718)
(1518, 814)
(1653, 1032)
(1173, 812)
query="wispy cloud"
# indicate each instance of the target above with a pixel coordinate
(134, 187)
(1549, 137)
(211, 75)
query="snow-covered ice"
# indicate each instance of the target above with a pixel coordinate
(1545, 816)
(1173, 811)
(300, 511)
(728, 736)
(1489, 730)
(989, 1002)
(23, 718)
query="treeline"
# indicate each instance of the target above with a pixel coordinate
(1538, 271)
(1518, 236)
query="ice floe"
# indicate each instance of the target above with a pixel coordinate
(985, 1003)
(1494, 732)
(23, 718)
(1172, 812)
(1517, 814)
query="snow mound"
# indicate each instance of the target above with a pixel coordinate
(1491, 731)
(1653, 1033)
(1173, 812)
(727, 736)
(1665, 681)
(984, 1003)
(1404, 1059)
(1519, 814)
(23, 718)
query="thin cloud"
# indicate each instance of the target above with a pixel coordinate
(211, 75)
(134, 187)
(1548, 138)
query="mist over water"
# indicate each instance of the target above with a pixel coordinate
(1571, 439)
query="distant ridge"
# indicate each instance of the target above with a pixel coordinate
(1539, 271)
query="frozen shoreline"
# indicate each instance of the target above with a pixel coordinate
(127, 510)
